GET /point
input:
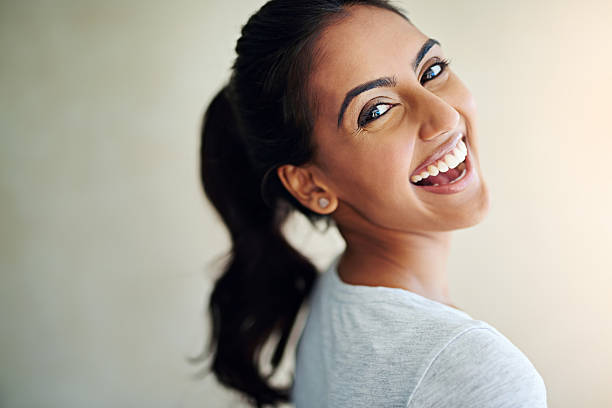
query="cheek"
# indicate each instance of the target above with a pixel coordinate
(467, 104)
(380, 169)
(459, 96)
(395, 176)
(373, 167)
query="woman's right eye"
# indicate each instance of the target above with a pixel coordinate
(373, 113)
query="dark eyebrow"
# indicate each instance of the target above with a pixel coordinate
(376, 83)
(383, 81)
(424, 49)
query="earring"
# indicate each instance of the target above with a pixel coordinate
(323, 202)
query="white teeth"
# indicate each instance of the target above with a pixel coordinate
(451, 161)
(458, 154)
(433, 170)
(442, 166)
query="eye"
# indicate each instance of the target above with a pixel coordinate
(435, 70)
(373, 113)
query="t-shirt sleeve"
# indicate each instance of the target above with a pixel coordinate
(479, 368)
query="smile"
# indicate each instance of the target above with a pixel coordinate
(449, 168)
(445, 171)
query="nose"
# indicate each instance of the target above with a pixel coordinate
(435, 115)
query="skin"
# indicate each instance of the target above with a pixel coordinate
(397, 234)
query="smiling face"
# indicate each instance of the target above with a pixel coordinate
(380, 120)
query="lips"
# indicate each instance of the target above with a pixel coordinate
(449, 155)
(467, 177)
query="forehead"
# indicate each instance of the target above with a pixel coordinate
(369, 43)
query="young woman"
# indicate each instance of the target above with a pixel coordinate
(346, 112)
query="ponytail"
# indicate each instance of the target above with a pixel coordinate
(265, 280)
(263, 118)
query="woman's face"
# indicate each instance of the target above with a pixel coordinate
(371, 140)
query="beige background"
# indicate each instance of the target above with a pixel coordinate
(106, 237)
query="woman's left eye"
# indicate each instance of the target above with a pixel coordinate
(435, 70)
(379, 109)
(373, 113)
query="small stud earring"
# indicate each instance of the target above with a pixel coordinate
(323, 202)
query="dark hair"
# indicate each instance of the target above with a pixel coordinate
(261, 119)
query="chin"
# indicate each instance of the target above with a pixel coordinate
(468, 214)
(479, 208)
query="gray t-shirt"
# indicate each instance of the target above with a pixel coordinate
(366, 346)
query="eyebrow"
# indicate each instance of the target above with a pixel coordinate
(383, 81)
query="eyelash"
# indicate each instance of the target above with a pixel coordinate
(366, 116)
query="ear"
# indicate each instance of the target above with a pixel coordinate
(307, 188)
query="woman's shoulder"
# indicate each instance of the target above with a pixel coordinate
(395, 360)
(479, 367)
(402, 347)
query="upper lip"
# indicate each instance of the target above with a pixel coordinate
(440, 152)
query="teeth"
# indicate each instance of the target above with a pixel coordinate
(450, 161)
(443, 167)
(458, 154)
(433, 170)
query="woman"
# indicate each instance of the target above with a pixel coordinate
(346, 112)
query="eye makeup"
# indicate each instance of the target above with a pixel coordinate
(371, 112)
(384, 81)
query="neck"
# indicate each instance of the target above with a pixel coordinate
(415, 261)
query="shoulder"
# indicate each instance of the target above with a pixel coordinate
(479, 367)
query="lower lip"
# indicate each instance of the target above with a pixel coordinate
(458, 185)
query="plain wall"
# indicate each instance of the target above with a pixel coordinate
(108, 244)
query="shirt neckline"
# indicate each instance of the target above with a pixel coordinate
(348, 288)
